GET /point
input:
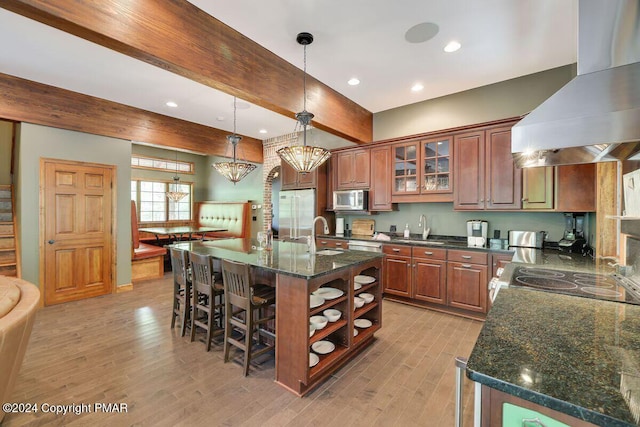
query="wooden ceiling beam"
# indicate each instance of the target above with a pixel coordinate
(27, 101)
(177, 36)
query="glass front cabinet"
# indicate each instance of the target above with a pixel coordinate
(422, 170)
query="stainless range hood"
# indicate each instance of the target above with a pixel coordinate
(596, 116)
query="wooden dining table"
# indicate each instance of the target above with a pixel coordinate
(177, 233)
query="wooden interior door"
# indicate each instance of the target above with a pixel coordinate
(77, 214)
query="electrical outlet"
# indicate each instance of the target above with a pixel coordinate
(253, 207)
(255, 218)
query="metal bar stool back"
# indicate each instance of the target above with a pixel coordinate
(207, 301)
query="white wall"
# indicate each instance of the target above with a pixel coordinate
(36, 142)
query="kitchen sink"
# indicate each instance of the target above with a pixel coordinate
(328, 252)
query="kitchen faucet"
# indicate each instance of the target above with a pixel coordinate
(423, 224)
(311, 240)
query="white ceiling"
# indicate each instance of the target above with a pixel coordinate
(501, 39)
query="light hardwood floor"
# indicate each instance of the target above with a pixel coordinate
(120, 349)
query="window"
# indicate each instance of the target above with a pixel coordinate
(152, 202)
(142, 162)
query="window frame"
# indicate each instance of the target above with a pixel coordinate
(191, 171)
(167, 184)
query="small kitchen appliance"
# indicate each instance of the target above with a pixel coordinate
(350, 200)
(477, 232)
(573, 239)
(339, 226)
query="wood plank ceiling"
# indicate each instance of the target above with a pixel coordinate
(181, 38)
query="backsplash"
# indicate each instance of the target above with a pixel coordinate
(443, 220)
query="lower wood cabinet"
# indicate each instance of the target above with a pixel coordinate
(442, 278)
(331, 244)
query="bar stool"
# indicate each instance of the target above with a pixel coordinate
(181, 289)
(242, 300)
(207, 302)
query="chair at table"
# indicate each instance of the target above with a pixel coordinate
(181, 289)
(245, 304)
(207, 302)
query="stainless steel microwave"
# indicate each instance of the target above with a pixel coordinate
(351, 200)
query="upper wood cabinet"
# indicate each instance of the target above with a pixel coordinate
(422, 171)
(537, 188)
(380, 190)
(293, 180)
(485, 174)
(353, 169)
(576, 188)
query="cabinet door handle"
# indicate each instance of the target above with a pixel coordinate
(465, 265)
(481, 200)
(525, 200)
(428, 253)
(395, 250)
(532, 422)
(466, 256)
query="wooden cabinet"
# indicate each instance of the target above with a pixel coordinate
(537, 188)
(467, 280)
(576, 188)
(292, 180)
(353, 168)
(430, 275)
(485, 174)
(397, 270)
(421, 171)
(380, 189)
(331, 181)
(322, 243)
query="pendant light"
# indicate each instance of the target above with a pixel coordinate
(304, 158)
(175, 195)
(234, 171)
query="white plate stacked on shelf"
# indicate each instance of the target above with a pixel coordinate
(323, 347)
(315, 301)
(328, 293)
(364, 280)
(313, 359)
(362, 323)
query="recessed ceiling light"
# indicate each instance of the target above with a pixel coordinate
(452, 46)
(262, 131)
(417, 87)
(354, 81)
(171, 104)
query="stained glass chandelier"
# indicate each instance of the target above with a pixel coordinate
(176, 195)
(234, 171)
(304, 158)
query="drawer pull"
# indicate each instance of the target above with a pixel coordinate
(465, 265)
(395, 250)
(338, 244)
(323, 243)
(466, 256)
(428, 253)
(531, 422)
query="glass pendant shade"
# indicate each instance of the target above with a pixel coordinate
(234, 171)
(304, 158)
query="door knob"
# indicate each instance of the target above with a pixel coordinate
(51, 242)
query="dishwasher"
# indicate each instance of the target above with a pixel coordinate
(362, 245)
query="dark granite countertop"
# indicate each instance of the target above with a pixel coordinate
(576, 355)
(286, 257)
(435, 241)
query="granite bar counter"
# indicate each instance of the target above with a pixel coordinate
(296, 274)
(578, 356)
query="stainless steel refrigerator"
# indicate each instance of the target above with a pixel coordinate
(297, 209)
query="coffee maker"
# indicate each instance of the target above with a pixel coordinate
(573, 239)
(477, 232)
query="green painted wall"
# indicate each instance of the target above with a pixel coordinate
(36, 142)
(501, 100)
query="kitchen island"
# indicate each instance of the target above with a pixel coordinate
(296, 274)
(579, 357)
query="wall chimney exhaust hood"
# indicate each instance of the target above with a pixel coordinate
(596, 116)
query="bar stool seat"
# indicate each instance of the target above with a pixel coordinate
(245, 304)
(207, 300)
(181, 289)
